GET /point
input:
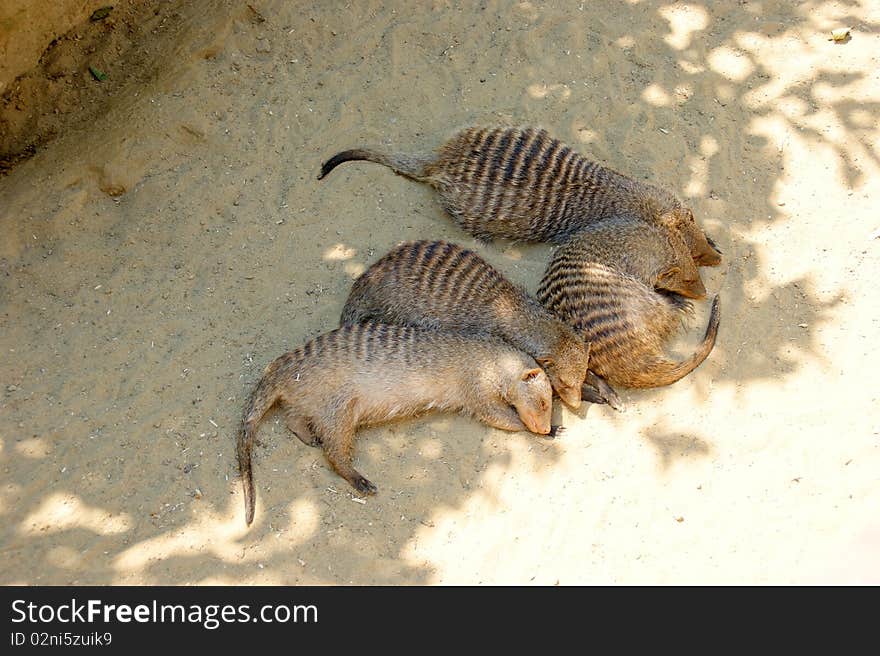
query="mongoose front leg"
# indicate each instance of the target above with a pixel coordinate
(500, 415)
(591, 395)
(506, 417)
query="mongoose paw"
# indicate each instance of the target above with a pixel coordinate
(615, 401)
(364, 486)
(602, 393)
(591, 395)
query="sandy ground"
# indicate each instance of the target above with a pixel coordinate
(132, 326)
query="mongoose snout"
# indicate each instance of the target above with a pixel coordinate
(701, 247)
(676, 281)
(530, 396)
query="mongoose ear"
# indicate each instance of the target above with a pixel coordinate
(545, 361)
(531, 374)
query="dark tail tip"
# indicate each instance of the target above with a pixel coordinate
(243, 447)
(714, 245)
(339, 158)
(247, 483)
(714, 317)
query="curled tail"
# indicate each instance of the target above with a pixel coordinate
(664, 372)
(410, 166)
(264, 396)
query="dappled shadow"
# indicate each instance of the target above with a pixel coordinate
(690, 86)
(133, 327)
(673, 446)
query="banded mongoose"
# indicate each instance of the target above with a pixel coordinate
(626, 321)
(656, 256)
(439, 285)
(522, 184)
(369, 373)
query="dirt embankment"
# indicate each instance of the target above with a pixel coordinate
(69, 62)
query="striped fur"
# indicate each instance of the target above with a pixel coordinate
(522, 184)
(369, 373)
(657, 257)
(439, 285)
(605, 298)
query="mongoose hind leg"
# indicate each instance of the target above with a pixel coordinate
(337, 438)
(300, 427)
(597, 390)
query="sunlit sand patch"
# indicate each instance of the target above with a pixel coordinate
(791, 106)
(528, 9)
(221, 535)
(542, 90)
(708, 145)
(732, 64)
(431, 448)
(33, 447)
(490, 509)
(61, 512)
(513, 253)
(782, 137)
(304, 519)
(684, 20)
(354, 269)
(656, 95)
(339, 252)
(689, 67)
(725, 93)
(440, 423)
(683, 92)
(585, 135)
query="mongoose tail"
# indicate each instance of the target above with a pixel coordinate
(264, 396)
(664, 372)
(407, 166)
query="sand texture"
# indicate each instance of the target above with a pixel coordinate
(156, 255)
